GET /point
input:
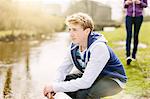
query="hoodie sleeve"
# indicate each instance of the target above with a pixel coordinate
(64, 69)
(98, 59)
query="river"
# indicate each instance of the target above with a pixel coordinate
(25, 67)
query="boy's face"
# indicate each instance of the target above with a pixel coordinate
(77, 33)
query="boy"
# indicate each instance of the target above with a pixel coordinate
(100, 73)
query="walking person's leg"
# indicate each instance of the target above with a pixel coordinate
(128, 22)
(137, 25)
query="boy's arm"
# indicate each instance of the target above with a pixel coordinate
(98, 59)
(64, 68)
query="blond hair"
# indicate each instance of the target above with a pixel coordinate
(82, 19)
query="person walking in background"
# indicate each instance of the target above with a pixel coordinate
(134, 17)
(99, 73)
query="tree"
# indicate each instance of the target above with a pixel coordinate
(8, 14)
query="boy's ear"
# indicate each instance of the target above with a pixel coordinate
(88, 30)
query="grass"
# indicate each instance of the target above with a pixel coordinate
(138, 72)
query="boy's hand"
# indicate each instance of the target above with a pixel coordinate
(50, 96)
(48, 92)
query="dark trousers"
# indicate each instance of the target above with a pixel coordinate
(102, 87)
(130, 22)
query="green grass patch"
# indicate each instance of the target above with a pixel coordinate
(4, 33)
(138, 72)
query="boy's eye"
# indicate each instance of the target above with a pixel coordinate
(73, 29)
(69, 29)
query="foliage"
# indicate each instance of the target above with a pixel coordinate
(7, 12)
(32, 18)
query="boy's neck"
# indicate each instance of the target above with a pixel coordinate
(83, 46)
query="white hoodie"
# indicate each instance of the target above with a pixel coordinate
(98, 59)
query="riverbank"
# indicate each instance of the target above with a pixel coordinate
(7, 36)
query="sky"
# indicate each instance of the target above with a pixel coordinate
(62, 2)
(116, 5)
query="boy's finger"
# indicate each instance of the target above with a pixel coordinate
(49, 96)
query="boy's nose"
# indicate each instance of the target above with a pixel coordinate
(71, 34)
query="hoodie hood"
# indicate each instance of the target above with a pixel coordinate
(94, 36)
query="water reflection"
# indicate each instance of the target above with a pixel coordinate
(12, 52)
(27, 62)
(7, 86)
(25, 67)
(14, 58)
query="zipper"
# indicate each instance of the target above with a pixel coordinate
(133, 14)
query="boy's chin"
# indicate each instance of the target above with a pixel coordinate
(75, 42)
